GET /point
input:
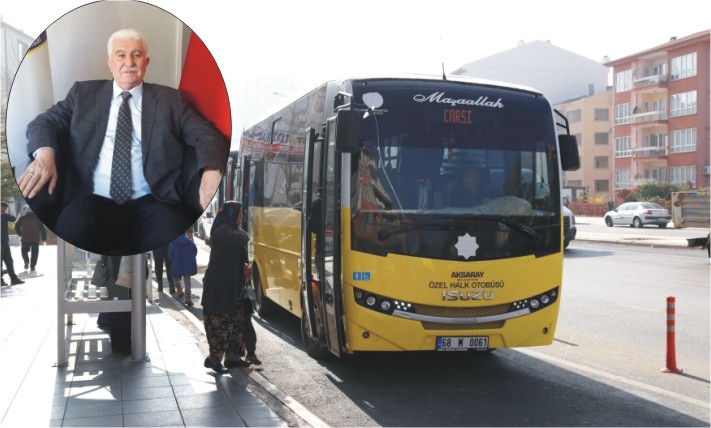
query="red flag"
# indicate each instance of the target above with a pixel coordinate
(201, 83)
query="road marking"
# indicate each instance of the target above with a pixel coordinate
(641, 308)
(616, 378)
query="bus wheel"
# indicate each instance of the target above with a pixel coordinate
(313, 340)
(265, 307)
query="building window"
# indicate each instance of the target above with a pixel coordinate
(602, 186)
(579, 139)
(623, 81)
(683, 103)
(602, 114)
(655, 140)
(602, 138)
(602, 162)
(622, 114)
(623, 147)
(655, 174)
(22, 49)
(574, 116)
(682, 174)
(622, 179)
(683, 140)
(683, 66)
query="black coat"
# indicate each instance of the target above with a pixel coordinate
(223, 283)
(176, 144)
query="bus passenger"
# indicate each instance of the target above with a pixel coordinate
(467, 192)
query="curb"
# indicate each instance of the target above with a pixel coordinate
(296, 407)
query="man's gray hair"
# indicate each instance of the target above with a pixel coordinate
(126, 33)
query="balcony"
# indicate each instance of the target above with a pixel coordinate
(649, 152)
(650, 117)
(657, 80)
(636, 182)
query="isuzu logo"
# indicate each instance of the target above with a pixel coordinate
(456, 295)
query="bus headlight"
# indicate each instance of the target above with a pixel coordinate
(545, 299)
(385, 305)
(371, 300)
(535, 303)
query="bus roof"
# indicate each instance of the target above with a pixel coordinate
(451, 78)
(401, 76)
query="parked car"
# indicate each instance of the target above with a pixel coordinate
(569, 228)
(638, 214)
(205, 226)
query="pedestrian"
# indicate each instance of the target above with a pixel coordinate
(160, 259)
(249, 337)
(182, 253)
(31, 231)
(224, 288)
(5, 248)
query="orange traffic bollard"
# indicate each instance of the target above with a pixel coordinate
(671, 338)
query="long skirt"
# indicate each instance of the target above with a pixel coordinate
(224, 334)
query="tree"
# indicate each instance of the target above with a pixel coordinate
(654, 191)
(7, 179)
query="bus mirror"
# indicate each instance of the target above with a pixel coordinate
(569, 157)
(347, 131)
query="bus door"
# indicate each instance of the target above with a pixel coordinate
(322, 323)
(331, 289)
(242, 188)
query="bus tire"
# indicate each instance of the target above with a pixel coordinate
(315, 345)
(265, 307)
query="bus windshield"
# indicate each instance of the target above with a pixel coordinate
(438, 162)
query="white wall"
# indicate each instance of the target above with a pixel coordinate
(77, 42)
(77, 48)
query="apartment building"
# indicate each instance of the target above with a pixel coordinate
(661, 114)
(590, 121)
(14, 46)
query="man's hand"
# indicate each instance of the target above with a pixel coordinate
(38, 173)
(209, 182)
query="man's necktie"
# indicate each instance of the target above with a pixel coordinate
(121, 165)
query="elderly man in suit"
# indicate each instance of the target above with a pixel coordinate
(122, 147)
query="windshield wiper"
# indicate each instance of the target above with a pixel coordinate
(511, 223)
(396, 230)
(385, 234)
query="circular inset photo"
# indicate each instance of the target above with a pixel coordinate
(118, 127)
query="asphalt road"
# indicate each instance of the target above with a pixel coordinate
(602, 370)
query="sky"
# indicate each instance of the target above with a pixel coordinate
(308, 42)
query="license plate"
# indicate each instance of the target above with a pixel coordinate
(462, 343)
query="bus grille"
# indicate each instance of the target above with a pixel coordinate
(482, 326)
(448, 312)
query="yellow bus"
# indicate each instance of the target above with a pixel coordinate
(361, 226)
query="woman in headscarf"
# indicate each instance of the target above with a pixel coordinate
(223, 288)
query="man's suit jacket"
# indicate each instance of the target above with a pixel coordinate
(177, 143)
